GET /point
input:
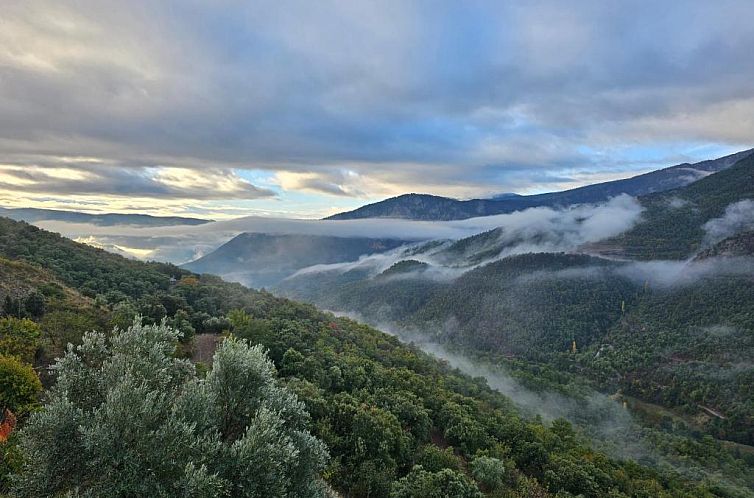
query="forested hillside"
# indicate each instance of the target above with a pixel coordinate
(539, 306)
(394, 421)
(674, 221)
(667, 327)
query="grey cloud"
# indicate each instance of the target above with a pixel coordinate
(89, 179)
(496, 88)
(660, 274)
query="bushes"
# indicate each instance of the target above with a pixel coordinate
(488, 471)
(445, 483)
(19, 337)
(434, 459)
(19, 385)
(126, 418)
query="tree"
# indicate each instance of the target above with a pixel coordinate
(488, 471)
(434, 459)
(34, 304)
(446, 483)
(19, 337)
(128, 418)
(19, 385)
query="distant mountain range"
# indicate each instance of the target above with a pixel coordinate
(32, 215)
(435, 208)
(262, 260)
(671, 227)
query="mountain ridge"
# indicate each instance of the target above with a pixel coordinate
(31, 215)
(438, 208)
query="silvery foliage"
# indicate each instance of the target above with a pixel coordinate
(127, 418)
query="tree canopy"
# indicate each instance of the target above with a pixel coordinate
(128, 418)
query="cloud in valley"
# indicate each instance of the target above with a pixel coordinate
(738, 217)
(540, 228)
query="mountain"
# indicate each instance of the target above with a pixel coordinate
(31, 215)
(667, 326)
(532, 307)
(262, 260)
(676, 224)
(431, 207)
(740, 244)
(378, 406)
(424, 207)
(666, 330)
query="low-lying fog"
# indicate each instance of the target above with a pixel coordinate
(560, 228)
(606, 421)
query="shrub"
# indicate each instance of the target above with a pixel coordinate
(488, 471)
(19, 385)
(127, 418)
(420, 483)
(19, 337)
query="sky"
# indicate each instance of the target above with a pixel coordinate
(301, 109)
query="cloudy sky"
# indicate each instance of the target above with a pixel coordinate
(226, 108)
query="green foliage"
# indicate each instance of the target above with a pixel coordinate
(445, 483)
(63, 327)
(10, 461)
(668, 232)
(126, 418)
(30, 306)
(19, 385)
(19, 337)
(377, 404)
(488, 472)
(686, 347)
(434, 459)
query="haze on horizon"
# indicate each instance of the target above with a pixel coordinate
(225, 109)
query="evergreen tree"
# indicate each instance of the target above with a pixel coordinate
(127, 418)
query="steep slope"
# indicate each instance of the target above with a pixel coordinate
(740, 244)
(430, 207)
(649, 328)
(675, 223)
(90, 270)
(379, 406)
(31, 215)
(262, 260)
(531, 305)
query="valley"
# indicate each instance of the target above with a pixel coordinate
(376, 249)
(553, 314)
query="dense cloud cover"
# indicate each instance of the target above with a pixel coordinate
(207, 107)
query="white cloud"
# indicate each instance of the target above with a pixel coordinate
(535, 229)
(738, 217)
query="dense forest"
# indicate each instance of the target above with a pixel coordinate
(392, 420)
(659, 317)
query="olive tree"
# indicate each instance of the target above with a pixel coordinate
(128, 418)
(445, 483)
